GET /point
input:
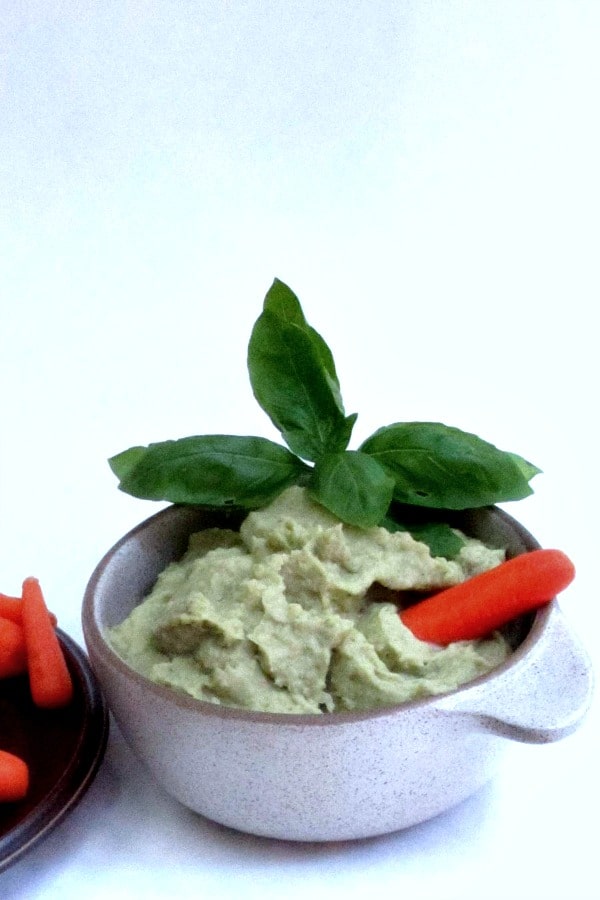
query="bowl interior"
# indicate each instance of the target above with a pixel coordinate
(142, 554)
(146, 550)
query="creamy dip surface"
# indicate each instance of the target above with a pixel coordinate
(280, 616)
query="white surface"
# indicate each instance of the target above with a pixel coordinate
(424, 175)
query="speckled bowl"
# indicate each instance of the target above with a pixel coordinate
(336, 776)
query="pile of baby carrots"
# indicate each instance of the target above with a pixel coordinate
(29, 644)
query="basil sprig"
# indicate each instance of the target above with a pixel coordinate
(294, 379)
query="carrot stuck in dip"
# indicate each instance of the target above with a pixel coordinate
(14, 777)
(49, 679)
(473, 609)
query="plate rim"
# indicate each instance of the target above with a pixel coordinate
(81, 768)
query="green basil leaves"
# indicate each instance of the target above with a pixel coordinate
(212, 469)
(293, 378)
(353, 486)
(442, 467)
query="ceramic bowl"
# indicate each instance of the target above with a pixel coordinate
(335, 776)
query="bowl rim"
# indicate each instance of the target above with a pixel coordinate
(98, 645)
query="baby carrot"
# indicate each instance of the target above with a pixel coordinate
(13, 655)
(14, 777)
(49, 678)
(11, 608)
(476, 607)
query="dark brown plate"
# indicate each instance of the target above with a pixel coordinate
(63, 749)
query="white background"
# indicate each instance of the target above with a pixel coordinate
(425, 176)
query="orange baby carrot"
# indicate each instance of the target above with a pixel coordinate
(13, 655)
(49, 678)
(476, 607)
(12, 607)
(14, 777)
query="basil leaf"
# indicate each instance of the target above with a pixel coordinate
(294, 387)
(283, 302)
(527, 468)
(353, 486)
(438, 466)
(441, 539)
(123, 463)
(215, 470)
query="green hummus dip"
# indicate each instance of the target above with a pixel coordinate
(280, 617)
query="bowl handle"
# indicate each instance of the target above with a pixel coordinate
(541, 698)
